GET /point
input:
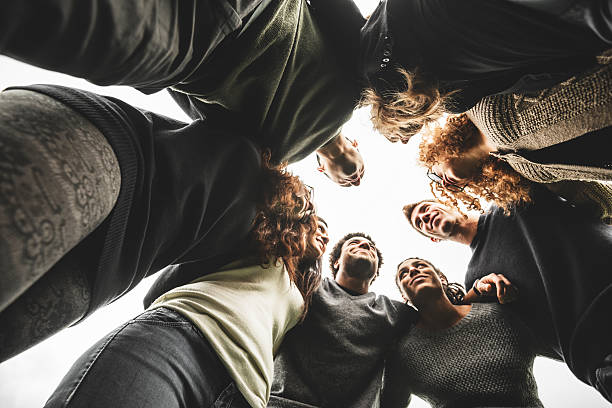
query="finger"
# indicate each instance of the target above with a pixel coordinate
(484, 288)
(509, 291)
(501, 288)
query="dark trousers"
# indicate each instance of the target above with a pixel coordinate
(158, 359)
(602, 379)
(148, 44)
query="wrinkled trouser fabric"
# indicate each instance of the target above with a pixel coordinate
(159, 359)
(603, 378)
(147, 44)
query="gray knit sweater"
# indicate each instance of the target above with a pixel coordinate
(516, 124)
(335, 358)
(484, 360)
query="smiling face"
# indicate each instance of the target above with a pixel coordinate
(358, 259)
(435, 220)
(419, 280)
(320, 239)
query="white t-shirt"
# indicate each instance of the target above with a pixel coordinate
(244, 311)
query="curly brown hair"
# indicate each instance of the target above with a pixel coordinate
(280, 232)
(494, 179)
(400, 114)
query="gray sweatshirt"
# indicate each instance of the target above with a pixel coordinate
(336, 357)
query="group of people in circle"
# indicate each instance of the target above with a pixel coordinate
(96, 194)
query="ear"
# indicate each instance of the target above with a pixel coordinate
(321, 169)
(337, 263)
(354, 143)
(435, 239)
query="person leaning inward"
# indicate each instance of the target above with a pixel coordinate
(557, 256)
(502, 146)
(491, 363)
(87, 213)
(211, 341)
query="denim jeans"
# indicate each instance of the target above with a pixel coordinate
(158, 359)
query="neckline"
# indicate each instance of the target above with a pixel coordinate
(425, 332)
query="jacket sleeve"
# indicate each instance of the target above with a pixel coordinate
(596, 15)
(341, 22)
(147, 44)
(395, 393)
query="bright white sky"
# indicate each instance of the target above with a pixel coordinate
(391, 180)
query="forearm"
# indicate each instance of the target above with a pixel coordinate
(107, 42)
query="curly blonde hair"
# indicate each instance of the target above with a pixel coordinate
(400, 114)
(495, 180)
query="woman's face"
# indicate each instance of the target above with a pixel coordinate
(457, 172)
(320, 239)
(418, 280)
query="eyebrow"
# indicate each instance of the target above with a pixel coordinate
(350, 241)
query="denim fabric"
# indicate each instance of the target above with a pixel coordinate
(158, 359)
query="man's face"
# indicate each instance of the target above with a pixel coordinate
(320, 239)
(358, 258)
(435, 220)
(345, 170)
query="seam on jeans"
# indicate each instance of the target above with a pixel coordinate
(93, 361)
(166, 324)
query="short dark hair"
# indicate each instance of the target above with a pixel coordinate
(455, 292)
(335, 253)
(408, 209)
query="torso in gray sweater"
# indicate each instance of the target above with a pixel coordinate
(336, 357)
(484, 360)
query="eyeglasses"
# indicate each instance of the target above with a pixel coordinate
(450, 186)
(309, 209)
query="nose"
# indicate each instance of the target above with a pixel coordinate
(425, 218)
(364, 244)
(413, 271)
(325, 238)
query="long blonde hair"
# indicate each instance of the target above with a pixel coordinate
(400, 114)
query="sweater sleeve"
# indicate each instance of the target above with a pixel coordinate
(395, 393)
